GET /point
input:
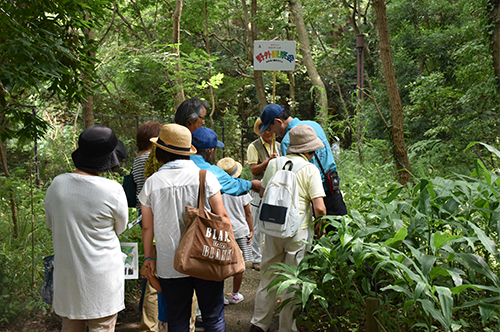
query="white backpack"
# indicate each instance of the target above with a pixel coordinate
(279, 211)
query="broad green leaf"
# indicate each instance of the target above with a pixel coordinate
(426, 261)
(412, 275)
(446, 302)
(461, 288)
(489, 147)
(307, 289)
(328, 277)
(393, 195)
(431, 310)
(486, 310)
(477, 264)
(456, 274)
(438, 271)
(478, 302)
(439, 239)
(399, 289)
(419, 289)
(398, 237)
(486, 241)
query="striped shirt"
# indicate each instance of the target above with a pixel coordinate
(138, 175)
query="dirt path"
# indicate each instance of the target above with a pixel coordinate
(238, 316)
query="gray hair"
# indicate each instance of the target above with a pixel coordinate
(189, 109)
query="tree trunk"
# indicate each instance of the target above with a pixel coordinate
(88, 105)
(207, 46)
(3, 158)
(305, 50)
(291, 76)
(88, 111)
(251, 33)
(495, 38)
(397, 130)
(176, 39)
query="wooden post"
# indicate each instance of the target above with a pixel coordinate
(371, 324)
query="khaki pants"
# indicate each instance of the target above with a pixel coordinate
(149, 317)
(105, 324)
(289, 251)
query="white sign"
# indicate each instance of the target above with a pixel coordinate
(273, 55)
(131, 260)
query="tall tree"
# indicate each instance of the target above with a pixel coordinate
(397, 127)
(305, 50)
(495, 38)
(88, 103)
(41, 48)
(257, 75)
(176, 39)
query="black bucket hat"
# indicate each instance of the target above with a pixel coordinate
(98, 150)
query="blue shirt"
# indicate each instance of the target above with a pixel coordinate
(231, 186)
(324, 154)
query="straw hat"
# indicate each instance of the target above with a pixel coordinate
(98, 150)
(230, 166)
(175, 139)
(257, 126)
(303, 139)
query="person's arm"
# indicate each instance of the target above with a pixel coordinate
(256, 169)
(232, 186)
(155, 283)
(256, 184)
(121, 212)
(146, 273)
(217, 206)
(319, 210)
(147, 238)
(249, 219)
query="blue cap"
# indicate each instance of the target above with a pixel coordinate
(204, 137)
(269, 113)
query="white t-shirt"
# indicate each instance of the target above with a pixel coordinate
(86, 214)
(168, 192)
(235, 207)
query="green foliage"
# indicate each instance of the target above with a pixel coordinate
(43, 48)
(428, 252)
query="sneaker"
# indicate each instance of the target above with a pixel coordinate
(256, 266)
(226, 301)
(235, 298)
(199, 326)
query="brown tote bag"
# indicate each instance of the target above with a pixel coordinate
(207, 249)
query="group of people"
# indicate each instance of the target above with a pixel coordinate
(86, 213)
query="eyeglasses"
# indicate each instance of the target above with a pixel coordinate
(201, 117)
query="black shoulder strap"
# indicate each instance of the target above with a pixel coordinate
(319, 163)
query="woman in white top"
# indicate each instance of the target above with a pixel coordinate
(86, 213)
(164, 198)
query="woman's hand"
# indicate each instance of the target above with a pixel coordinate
(249, 237)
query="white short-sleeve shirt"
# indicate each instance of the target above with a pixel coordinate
(235, 207)
(168, 192)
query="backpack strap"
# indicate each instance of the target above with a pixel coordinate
(283, 162)
(299, 164)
